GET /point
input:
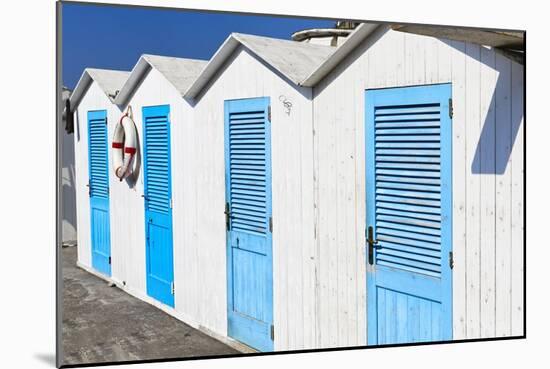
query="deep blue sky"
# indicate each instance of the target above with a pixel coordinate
(114, 37)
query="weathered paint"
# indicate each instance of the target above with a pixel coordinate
(94, 100)
(244, 76)
(98, 189)
(409, 213)
(248, 221)
(318, 189)
(157, 199)
(485, 182)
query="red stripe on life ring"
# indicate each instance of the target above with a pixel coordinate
(130, 150)
(118, 145)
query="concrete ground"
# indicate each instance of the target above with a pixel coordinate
(102, 323)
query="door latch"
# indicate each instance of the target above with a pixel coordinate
(227, 213)
(371, 244)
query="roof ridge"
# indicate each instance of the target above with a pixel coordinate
(90, 75)
(172, 57)
(294, 61)
(283, 40)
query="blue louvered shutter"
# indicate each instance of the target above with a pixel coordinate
(248, 171)
(408, 187)
(157, 184)
(99, 171)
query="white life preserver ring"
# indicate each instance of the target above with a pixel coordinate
(124, 145)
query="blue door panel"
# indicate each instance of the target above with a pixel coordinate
(249, 240)
(246, 284)
(409, 204)
(98, 188)
(158, 207)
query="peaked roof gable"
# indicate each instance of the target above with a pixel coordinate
(180, 72)
(294, 60)
(109, 81)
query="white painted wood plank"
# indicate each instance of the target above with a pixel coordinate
(361, 78)
(485, 154)
(431, 60)
(444, 57)
(409, 60)
(473, 192)
(317, 122)
(415, 59)
(377, 64)
(345, 211)
(392, 53)
(358, 301)
(459, 188)
(503, 195)
(517, 256)
(307, 234)
(326, 185)
(330, 227)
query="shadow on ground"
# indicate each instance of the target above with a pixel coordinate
(105, 324)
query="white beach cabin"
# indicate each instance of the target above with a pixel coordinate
(147, 207)
(290, 196)
(419, 141)
(94, 117)
(254, 266)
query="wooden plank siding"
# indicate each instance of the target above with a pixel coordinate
(487, 181)
(244, 76)
(94, 99)
(318, 187)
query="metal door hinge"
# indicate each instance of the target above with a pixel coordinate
(269, 113)
(271, 224)
(451, 260)
(109, 260)
(272, 332)
(450, 108)
(172, 288)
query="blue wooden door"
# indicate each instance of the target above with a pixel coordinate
(248, 222)
(98, 189)
(409, 207)
(158, 203)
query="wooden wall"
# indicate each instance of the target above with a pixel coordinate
(487, 181)
(94, 99)
(292, 190)
(318, 158)
(198, 183)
